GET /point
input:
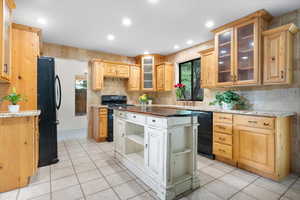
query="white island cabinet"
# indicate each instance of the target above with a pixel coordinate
(160, 150)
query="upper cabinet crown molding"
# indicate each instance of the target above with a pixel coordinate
(265, 15)
(292, 28)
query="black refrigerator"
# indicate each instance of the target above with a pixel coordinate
(49, 101)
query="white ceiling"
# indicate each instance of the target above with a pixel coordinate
(155, 27)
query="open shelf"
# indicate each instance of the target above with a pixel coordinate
(247, 37)
(224, 44)
(246, 50)
(137, 138)
(246, 68)
(224, 56)
(137, 158)
(185, 151)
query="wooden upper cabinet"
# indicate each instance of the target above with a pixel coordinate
(278, 54)
(97, 75)
(6, 40)
(122, 71)
(164, 77)
(208, 68)
(134, 81)
(148, 71)
(237, 49)
(110, 70)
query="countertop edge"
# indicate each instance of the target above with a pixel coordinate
(26, 113)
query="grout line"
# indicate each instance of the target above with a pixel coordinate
(73, 166)
(291, 185)
(110, 187)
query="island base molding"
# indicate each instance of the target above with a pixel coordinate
(161, 192)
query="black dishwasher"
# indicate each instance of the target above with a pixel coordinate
(205, 134)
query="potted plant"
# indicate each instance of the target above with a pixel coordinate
(14, 99)
(229, 100)
(143, 99)
(180, 89)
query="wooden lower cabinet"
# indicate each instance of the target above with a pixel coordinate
(98, 124)
(19, 142)
(257, 144)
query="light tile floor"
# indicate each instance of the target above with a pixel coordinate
(88, 170)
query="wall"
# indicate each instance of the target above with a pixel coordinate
(66, 113)
(272, 98)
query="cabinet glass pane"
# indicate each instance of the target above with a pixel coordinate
(224, 58)
(148, 70)
(245, 41)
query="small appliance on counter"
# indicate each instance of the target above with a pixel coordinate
(112, 101)
(49, 101)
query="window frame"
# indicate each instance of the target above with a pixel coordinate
(192, 78)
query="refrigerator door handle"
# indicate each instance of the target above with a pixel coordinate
(58, 92)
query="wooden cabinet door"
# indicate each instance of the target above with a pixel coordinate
(97, 75)
(256, 148)
(274, 58)
(6, 42)
(134, 82)
(246, 71)
(160, 77)
(110, 70)
(224, 57)
(119, 134)
(154, 152)
(103, 126)
(122, 71)
(208, 69)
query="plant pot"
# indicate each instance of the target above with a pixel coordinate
(227, 106)
(14, 108)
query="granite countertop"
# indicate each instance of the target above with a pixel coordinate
(158, 111)
(26, 113)
(242, 112)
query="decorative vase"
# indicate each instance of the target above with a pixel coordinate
(180, 94)
(14, 108)
(227, 106)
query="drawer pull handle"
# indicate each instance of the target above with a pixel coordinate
(222, 139)
(153, 120)
(134, 116)
(252, 122)
(266, 124)
(224, 118)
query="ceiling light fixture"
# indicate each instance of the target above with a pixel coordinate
(110, 37)
(209, 24)
(153, 1)
(176, 46)
(146, 52)
(189, 42)
(42, 21)
(126, 21)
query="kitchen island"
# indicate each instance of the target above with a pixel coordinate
(159, 145)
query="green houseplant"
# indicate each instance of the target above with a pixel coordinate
(229, 100)
(14, 98)
(143, 99)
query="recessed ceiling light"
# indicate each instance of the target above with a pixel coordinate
(153, 1)
(126, 21)
(176, 46)
(146, 52)
(42, 21)
(209, 24)
(190, 42)
(110, 37)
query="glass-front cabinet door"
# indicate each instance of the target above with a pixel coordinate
(246, 69)
(148, 73)
(224, 51)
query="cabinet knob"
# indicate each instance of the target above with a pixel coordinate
(273, 58)
(282, 74)
(266, 124)
(153, 120)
